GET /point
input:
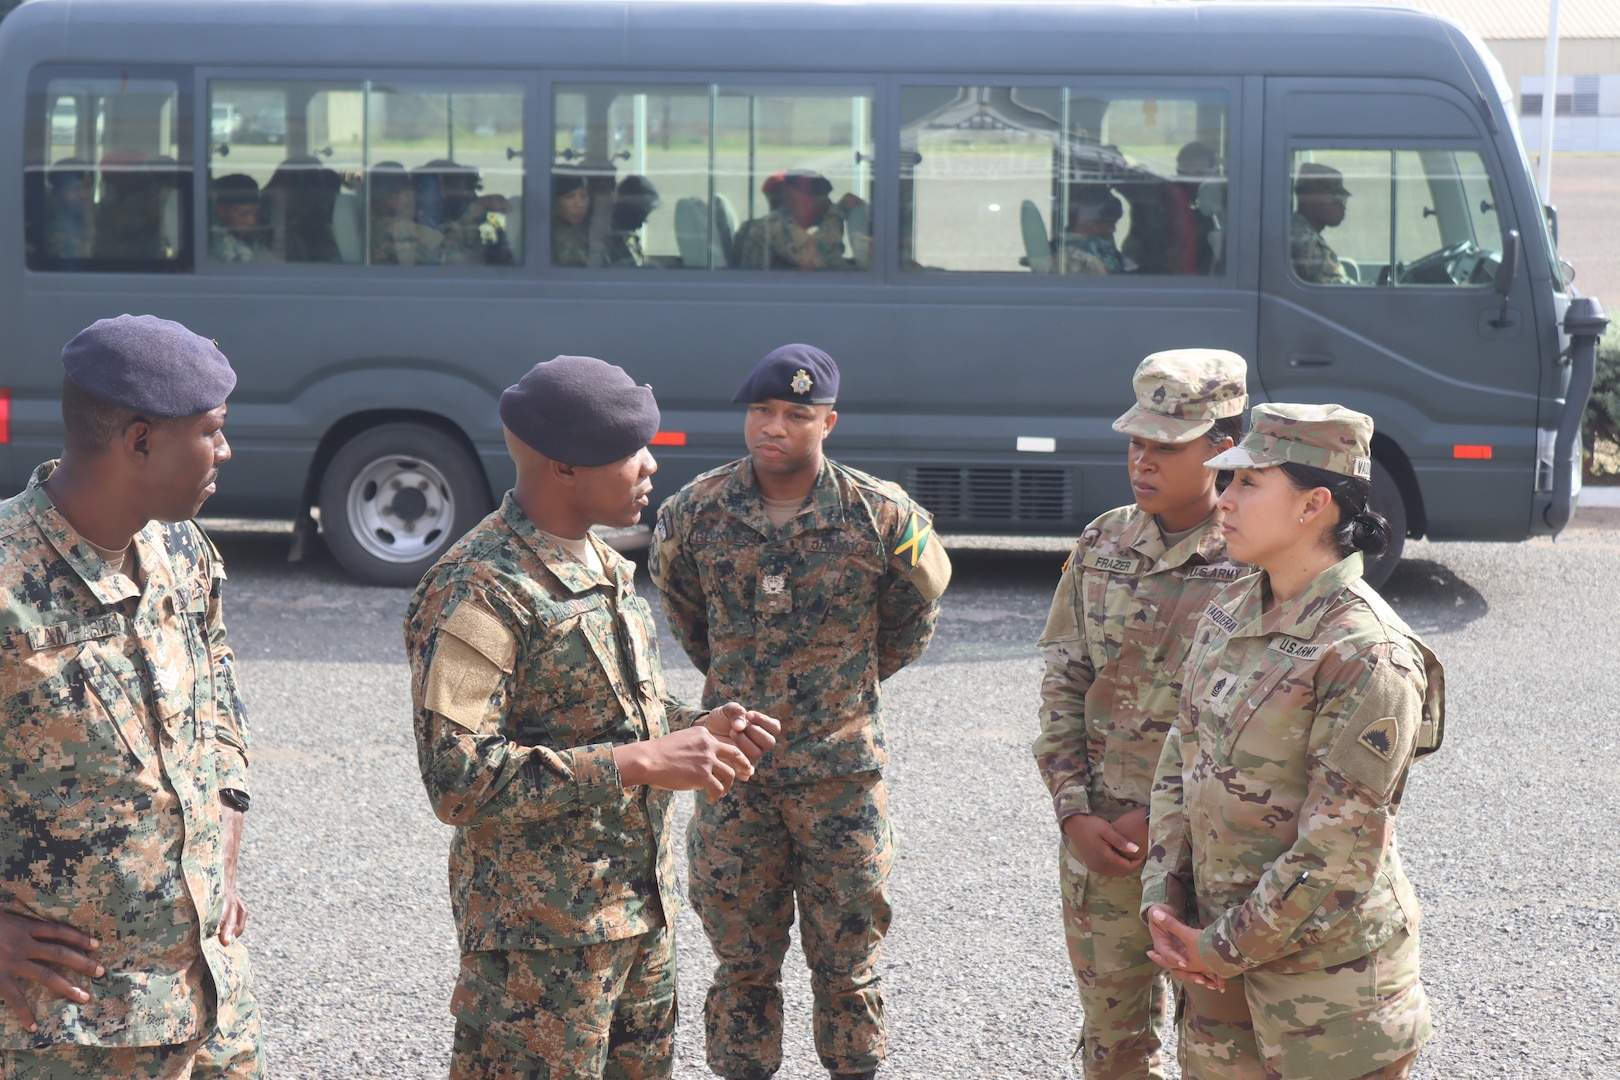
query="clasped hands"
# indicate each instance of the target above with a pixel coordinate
(710, 756)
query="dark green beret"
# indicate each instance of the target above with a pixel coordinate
(580, 410)
(150, 366)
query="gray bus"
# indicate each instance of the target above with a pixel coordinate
(386, 212)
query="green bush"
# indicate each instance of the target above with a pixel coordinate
(1603, 412)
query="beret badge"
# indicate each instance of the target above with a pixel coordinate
(801, 382)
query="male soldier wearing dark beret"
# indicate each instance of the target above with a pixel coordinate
(546, 737)
(797, 583)
(123, 761)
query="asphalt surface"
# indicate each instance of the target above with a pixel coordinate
(1508, 833)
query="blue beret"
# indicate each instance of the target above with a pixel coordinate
(580, 410)
(801, 373)
(149, 366)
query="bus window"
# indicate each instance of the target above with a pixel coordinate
(1397, 217)
(711, 177)
(352, 172)
(1084, 182)
(108, 174)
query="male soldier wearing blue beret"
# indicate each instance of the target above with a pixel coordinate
(123, 760)
(546, 737)
(797, 583)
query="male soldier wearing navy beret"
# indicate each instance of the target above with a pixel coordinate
(123, 760)
(799, 584)
(546, 736)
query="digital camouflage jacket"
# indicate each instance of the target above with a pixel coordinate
(1121, 622)
(526, 670)
(804, 621)
(1275, 799)
(122, 722)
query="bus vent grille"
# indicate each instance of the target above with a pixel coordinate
(954, 494)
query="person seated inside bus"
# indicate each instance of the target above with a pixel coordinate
(1319, 203)
(1087, 245)
(236, 235)
(298, 202)
(473, 225)
(804, 232)
(633, 202)
(129, 219)
(1186, 228)
(570, 210)
(70, 224)
(397, 238)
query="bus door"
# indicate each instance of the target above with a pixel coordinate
(1384, 212)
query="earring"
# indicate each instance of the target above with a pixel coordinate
(1302, 521)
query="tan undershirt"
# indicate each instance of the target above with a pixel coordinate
(121, 561)
(782, 511)
(581, 549)
(1171, 539)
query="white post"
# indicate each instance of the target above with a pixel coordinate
(1549, 102)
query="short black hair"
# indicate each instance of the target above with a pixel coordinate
(91, 424)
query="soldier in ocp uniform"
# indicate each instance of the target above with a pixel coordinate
(1304, 702)
(801, 584)
(123, 760)
(1131, 595)
(546, 737)
(1319, 199)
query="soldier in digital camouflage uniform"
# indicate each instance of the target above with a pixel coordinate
(799, 583)
(1304, 701)
(1131, 594)
(546, 737)
(1319, 197)
(123, 764)
(805, 232)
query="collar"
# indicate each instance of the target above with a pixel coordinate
(823, 508)
(575, 576)
(1143, 536)
(106, 584)
(1300, 616)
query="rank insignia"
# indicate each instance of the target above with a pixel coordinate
(1380, 738)
(774, 584)
(915, 538)
(801, 382)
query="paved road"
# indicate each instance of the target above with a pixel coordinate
(1509, 833)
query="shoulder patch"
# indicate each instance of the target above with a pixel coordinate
(1374, 745)
(1299, 650)
(1221, 617)
(933, 572)
(1380, 737)
(479, 627)
(914, 541)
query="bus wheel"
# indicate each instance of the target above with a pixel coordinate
(1386, 499)
(394, 497)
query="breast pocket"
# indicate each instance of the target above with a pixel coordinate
(76, 727)
(642, 635)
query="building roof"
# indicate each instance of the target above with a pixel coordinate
(1507, 20)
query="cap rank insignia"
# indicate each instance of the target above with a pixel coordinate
(801, 382)
(1379, 737)
(915, 538)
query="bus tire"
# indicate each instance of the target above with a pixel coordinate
(1386, 499)
(394, 497)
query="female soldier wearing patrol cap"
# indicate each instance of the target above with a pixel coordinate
(1125, 610)
(1304, 701)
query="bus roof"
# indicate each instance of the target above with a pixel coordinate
(674, 36)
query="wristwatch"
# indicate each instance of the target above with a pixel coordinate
(236, 799)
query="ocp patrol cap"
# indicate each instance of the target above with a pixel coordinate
(1182, 392)
(801, 373)
(1329, 437)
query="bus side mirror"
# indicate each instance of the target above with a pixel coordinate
(1552, 221)
(1507, 272)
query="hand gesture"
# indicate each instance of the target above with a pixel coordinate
(754, 733)
(1175, 948)
(235, 919)
(1108, 848)
(692, 760)
(33, 950)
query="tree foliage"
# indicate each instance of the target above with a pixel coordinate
(1603, 411)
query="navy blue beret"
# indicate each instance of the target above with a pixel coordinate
(580, 410)
(149, 366)
(801, 373)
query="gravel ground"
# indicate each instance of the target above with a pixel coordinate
(1508, 832)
